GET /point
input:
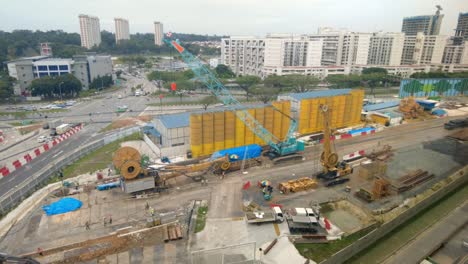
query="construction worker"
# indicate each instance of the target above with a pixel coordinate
(152, 211)
(105, 221)
(87, 225)
(110, 220)
(147, 206)
(40, 251)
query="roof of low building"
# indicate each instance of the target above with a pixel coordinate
(175, 120)
(320, 93)
(374, 107)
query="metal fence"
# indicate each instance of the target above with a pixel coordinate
(13, 197)
(239, 254)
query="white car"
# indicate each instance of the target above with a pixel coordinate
(41, 139)
(120, 96)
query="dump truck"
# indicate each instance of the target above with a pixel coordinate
(274, 215)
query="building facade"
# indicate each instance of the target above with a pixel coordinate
(455, 54)
(428, 25)
(84, 67)
(462, 26)
(90, 31)
(294, 51)
(341, 47)
(423, 49)
(386, 49)
(122, 31)
(245, 55)
(158, 33)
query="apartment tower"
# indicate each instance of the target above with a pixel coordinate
(90, 31)
(122, 31)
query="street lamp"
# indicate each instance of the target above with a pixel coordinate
(60, 89)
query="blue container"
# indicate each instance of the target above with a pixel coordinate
(240, 153)
(108, 186)
(359, 131)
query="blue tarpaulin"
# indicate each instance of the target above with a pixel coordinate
(239, 153)
(359, 131)
(62, 206)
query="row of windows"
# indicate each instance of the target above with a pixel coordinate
(51, 68)
(43, 74)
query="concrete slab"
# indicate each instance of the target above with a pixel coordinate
(344, 220)
(123, 258)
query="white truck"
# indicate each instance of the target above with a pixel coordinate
(274, 215)
(305, 215)
(62, 129)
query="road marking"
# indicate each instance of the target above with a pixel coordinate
(57, 154)
(277, 230)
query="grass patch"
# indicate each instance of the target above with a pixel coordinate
(379, 251)
(23, 114)
(320, 252)
(97, 160)
(201, 218)
(28, 122)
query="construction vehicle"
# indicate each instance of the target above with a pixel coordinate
(297, 185)
(274, 215)
(332, 168)
(279, 150)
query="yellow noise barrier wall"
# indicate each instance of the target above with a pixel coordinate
(213, 131)
(345, 111)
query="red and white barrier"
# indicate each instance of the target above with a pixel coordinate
(9, 168)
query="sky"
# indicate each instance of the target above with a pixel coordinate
(227, 17)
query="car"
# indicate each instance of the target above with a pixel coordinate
(45, 126)
(41, 139)
(120, 96)
(70, 103)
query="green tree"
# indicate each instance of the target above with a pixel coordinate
(427, 89)
(224, 72)
(413, 87)
(101, 82)
(442, 86)
(246, 83)
(301, 83)
(265, 94)
(208, 100)
(462, 86)
(374, 70)
(344, 81)
(373, 80)
(6, 87)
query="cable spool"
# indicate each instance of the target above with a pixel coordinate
(125, 154)
(130, 169)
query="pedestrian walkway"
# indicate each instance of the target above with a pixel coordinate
(425, 243)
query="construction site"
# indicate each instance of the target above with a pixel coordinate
(249, 184)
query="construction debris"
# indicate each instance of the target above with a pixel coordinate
(410, 180)
(298, 185)
(410, 108)
(382, 154)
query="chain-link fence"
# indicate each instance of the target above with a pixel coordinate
(236, 254)
(13, 197)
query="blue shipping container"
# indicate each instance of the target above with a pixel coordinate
(359, 131)
(239, 153)
(108, 186)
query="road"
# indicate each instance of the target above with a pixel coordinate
(427, 242)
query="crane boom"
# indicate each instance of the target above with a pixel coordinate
(281, 148)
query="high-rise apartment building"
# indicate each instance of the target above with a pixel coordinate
(386, 49)
(455, 53)
(428, 25)
(462, 26)
(292, 51)
(423, 49)
(158, 33)
(122, 31)
(90, 31)
(341, 47)
(245, 55)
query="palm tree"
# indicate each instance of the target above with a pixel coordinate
(442, 86)
(413, 87)
(462, 86)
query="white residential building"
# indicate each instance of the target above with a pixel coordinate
(90, 31)
(386, 49)
(341, 47)
(423, 49)
(245, 55)
(158, 33)
(454, 53)
(122, 31)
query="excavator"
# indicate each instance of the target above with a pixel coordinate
(333, 171)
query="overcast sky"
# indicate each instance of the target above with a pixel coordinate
(227, 17)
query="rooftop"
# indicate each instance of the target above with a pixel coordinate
(380, 106)
(317, 94)
(175, 120)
